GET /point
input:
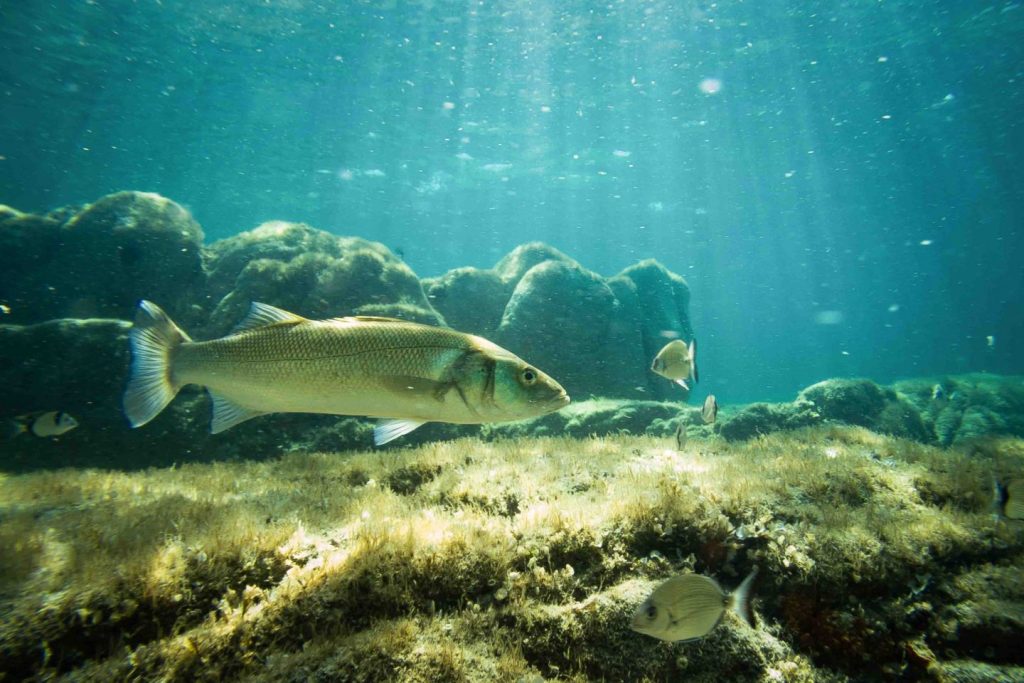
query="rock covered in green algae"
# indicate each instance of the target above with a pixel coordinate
(471, 299)
(596, 335)
(969, 406)
(312, 273)
(515, 560)
(98, 260)
(765, 418)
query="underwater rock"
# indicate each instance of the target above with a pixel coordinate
(853, 401)
(764, 418)
(97, 261)
(311, 273)
(562, 318)
(596, 335)
(76, 366)
(515, 264)
(470, 299)
(664, 300)
(516, 560)
(967, 406)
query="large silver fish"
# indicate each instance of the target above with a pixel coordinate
(279, 362)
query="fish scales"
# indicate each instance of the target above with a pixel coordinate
(405, 373)
(377, 368)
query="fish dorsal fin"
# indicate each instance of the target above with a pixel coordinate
(262, 315)
(227, 413)
(371, 319)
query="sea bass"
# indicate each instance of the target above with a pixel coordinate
(278, 362)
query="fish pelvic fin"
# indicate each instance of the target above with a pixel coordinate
(390, 429)
(740, 598)
(227, 414)
(150, 385)
(682, 383)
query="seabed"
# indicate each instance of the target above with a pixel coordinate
(520, 560)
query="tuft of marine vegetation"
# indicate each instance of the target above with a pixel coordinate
(519, 560)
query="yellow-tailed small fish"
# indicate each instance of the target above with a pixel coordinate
(43, 424)
(1009, 499)
(678, 362)
(405, 373)
(709, 412)
(689, 606)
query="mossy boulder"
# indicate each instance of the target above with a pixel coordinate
(470, 299)
(562, 318)
(664, 300)
(98, 260)
(764, 418)
(311, 273)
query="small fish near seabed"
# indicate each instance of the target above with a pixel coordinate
(678, 362)
(689, 606)
(405, 373)
(709, 411)
(1008, 499)
(681, 435)
(43, 424)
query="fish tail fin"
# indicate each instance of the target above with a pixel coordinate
(13, 428)
(741, 598)
(694, 375)
(150, 385)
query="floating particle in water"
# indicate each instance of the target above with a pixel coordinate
(374, 173)
(496, 168)
(990, 341)
(710, 86)
(622, 153)
(656, 206)
(894, 308)
(346, 174)
(448, 105)
(845, 353)
(925, 243)
(545, 109)
(5, 309)
(789, 174)
(883, 59)
(828, 317)
(463, 156)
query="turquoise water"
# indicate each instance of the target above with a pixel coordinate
(840, 182)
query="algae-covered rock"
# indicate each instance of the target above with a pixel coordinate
(311, 273)
(518, 560)
(853, 401)
(470, 299)
(562, 318)
(99, 260)
(765, 418)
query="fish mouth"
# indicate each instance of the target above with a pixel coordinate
(559, 401)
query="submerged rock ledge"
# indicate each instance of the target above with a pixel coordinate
(519, 560)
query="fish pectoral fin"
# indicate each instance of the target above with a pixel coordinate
(390, 429)
(227, 413)
(262, 315)
(683, 384)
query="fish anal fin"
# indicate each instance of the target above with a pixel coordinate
(262, 315)
(227, 414)
(682, 383)
(390, 429)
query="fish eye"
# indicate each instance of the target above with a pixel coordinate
(528, 376)
(651, 611)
